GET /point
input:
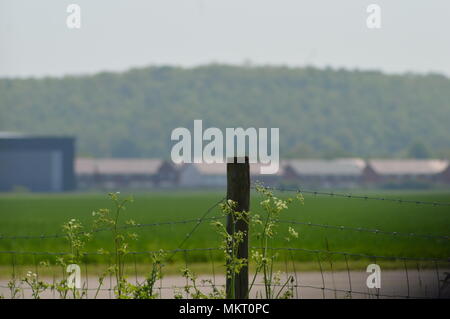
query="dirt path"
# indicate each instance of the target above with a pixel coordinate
(309, 285)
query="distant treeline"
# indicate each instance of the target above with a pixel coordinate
(320, 113)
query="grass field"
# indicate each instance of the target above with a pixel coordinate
(36, 214)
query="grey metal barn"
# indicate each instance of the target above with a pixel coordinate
(39, 164)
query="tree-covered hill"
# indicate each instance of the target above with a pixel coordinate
(319, 112)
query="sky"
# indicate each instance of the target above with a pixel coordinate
(116, 35)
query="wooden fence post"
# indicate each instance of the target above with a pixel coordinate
(238, 190)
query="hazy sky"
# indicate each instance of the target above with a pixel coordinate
(119, 34)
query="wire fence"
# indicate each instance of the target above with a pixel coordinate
(352, 196)
(298, 272)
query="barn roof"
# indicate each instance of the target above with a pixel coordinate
(125, 166)
(408, 166)
(337, 167)
(4, 134)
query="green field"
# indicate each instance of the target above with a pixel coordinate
(37, 214)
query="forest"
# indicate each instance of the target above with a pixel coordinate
(320, 112)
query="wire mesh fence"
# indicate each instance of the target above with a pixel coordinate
(296, 271)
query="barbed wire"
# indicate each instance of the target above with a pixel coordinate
(364, 197)
(347, 291)
(292, 285)
(316, 251)
(201, 219)
(329, 252)
(363, 229)
(146, 252)
(61, 235)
